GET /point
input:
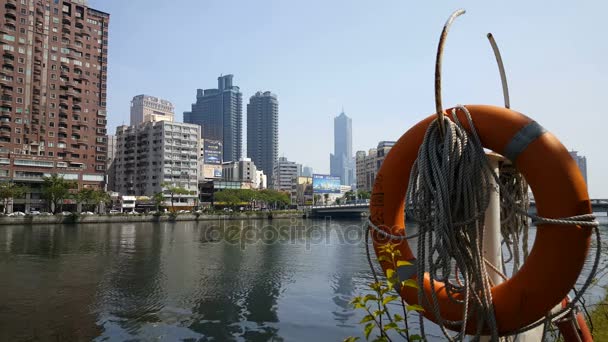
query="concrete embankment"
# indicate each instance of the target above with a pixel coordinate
(84, 219)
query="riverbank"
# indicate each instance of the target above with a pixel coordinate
(124, 218)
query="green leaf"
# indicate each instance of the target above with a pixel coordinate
(378, 313)
(396, 252)
(375, 286)
(403, 263)
(351, 339)
(389, 326)
(414, 307)
(390, 273)
(397, 318)
(388, 299)
(367, 319)
(416, 338)
(368, 329)
(359, 306)
(356, 300)
(369, 297)
(409, 283)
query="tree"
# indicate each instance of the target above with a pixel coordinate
(8, 191)
(362, 194)
(84, 196)
(99, 196)
(158, 199)
(55, 189)
(175, 191)
(317, 198)
(326, 197)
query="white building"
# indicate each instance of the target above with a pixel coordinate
(154, 155)
(244, 171)
(285, 175)
(145, 108)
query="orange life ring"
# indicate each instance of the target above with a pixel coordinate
(559, 251)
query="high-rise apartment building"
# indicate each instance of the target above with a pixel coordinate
(53, 84)
(368, 165)
(307, 171)
(146, 108)
(263, 131)
(110, 166)
(154, 154)
(341, 161)
(581, 162)
(220, 114)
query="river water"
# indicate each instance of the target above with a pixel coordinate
(286, 280)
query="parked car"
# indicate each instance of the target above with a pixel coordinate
(182, 211)
(16, 213)
(65, 213)
(114, 212)
(87, 213)
(34, 212)
(44, 213)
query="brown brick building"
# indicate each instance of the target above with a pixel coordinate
(52, 94)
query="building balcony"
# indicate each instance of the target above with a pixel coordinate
(37, 78)
(11, 15)
(6, 103)
(11, 4)
(66, 21)
(8, 62)
(62, 129)
(4, 133)
(10, 25)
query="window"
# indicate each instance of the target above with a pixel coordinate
(61, 145)
(19, 90)
(18, 130)
(51, 154)
(20, 70)
(53, 67)
(55, 29)
(21, 40)
(21, 50)
(18, 120)
(21, 60)
(19, 100)
(36, 163)
(10, 48)
(55, 38)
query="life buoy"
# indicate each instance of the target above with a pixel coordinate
(558, 252)
(574, 327)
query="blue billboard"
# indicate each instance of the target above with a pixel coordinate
(325, 184)
(212, 152)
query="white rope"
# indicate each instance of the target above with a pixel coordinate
(449, 190)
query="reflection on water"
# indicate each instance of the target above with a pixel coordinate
(253, 281)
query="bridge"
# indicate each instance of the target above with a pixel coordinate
(362, 209)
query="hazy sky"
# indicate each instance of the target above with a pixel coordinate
(375, 58)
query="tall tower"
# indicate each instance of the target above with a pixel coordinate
(220, 114)
(263, 131)
(146, 108)
(341, 161)
(53, 101)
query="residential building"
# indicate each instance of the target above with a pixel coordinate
(53, 101)
(284, 174)
(146, 108)
(154, 155)
(341, 161)
(263, 131)
(110, 166)
(307, 171)
(581, 162)
(220, 114)
(368, 165)
(244, 170)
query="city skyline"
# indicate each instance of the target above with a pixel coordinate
(316, 70)
(263, 131)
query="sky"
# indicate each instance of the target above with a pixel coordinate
(374, 58)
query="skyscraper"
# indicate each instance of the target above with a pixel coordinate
(53, 83)
(581, 161)
(341, 161)
(220, 114)
(146, 108)
(263, 131)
